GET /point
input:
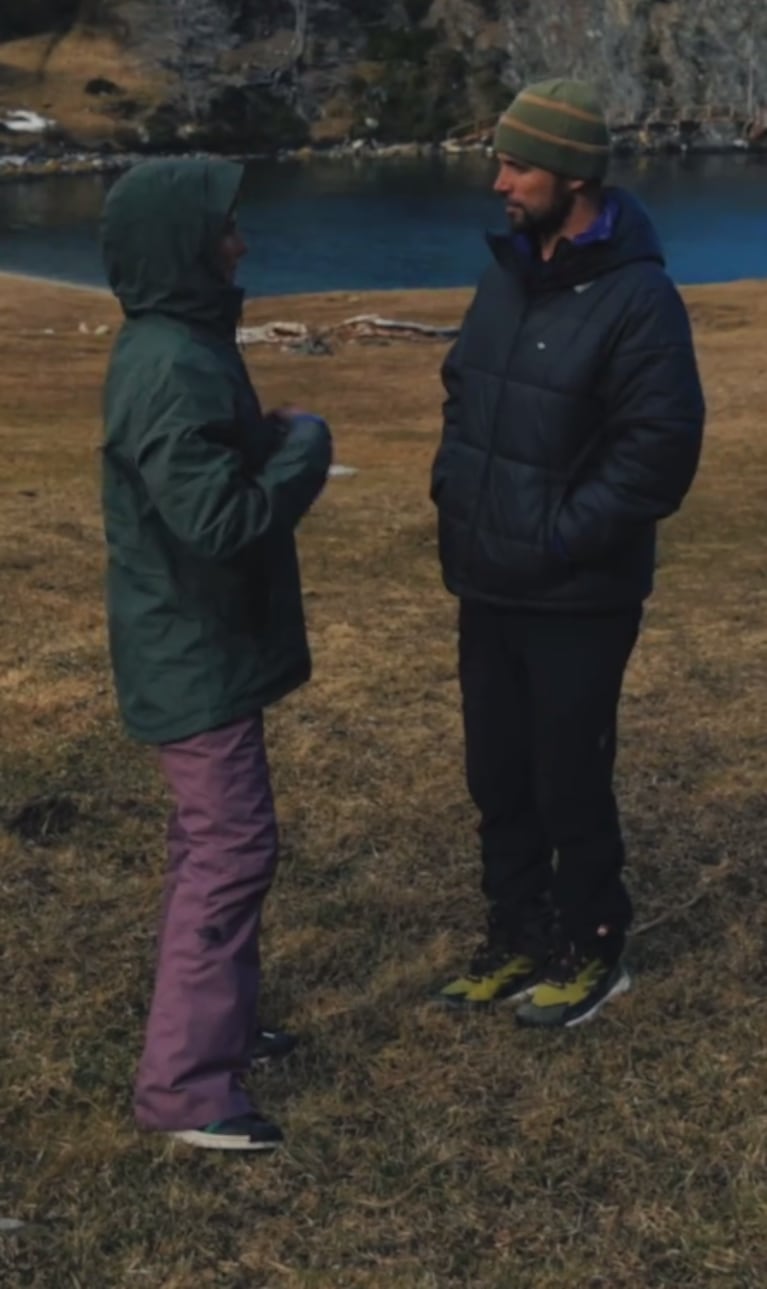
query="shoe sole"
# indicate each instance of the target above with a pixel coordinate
(621, 986)
(214, 1141)
(275, 1058)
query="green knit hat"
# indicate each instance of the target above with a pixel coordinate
(559, 126)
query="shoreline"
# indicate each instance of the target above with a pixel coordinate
(8, 275)
(20, 166)
(31, 279)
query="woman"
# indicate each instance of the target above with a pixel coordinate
(201, 495)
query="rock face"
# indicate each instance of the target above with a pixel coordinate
(265, 74)
(34, 17)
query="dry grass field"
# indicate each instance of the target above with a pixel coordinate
(425, 1151)
(60, 93)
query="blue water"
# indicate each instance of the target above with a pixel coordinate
(330, 225)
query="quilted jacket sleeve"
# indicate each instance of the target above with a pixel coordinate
(647, 451)
(451, 380)
(199, 483)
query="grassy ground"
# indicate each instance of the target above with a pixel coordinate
(59, 91)
(425, 1151)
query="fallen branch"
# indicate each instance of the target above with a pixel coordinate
(370, 324)
(273, 333)
(671, 916)
(674, 914)
(297, 335)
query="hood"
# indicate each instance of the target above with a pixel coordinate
(162, 225)
(632, 238)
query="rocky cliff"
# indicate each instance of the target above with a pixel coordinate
(266, 74)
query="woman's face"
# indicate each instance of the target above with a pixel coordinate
(233, 247)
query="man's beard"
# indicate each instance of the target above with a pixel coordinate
(546, 224)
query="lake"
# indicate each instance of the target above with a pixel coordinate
(364, 224)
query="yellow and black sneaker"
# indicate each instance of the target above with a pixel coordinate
(496, 973)
(572, 991)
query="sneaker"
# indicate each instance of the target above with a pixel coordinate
(272, 1045)
(573, 990)
(245, 1132)
(495, 974)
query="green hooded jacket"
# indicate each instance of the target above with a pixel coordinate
(201, 491)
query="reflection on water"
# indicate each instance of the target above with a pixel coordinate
(53, 203)
(365, 224)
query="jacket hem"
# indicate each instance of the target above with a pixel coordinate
(215, 718)
(530, 604)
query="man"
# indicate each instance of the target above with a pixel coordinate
(573, 423)
(202, 493)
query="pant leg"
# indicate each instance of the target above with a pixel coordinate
(516, 857)
(576, 666)
(177, 850)
(206, 988)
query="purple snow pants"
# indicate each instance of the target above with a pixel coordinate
(222, 854)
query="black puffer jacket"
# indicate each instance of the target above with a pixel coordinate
(573, 423)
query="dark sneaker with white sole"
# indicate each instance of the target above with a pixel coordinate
(573, 990)
(245, 1132)
(272, 1045)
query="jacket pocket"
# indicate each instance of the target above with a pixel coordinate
(457, 481)
(554, 540)
(514, 550)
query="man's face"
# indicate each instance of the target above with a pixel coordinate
(232, 248)
(537, 201)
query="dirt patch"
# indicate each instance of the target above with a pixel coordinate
(45, 820)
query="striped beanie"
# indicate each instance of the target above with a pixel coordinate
(559, 126)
